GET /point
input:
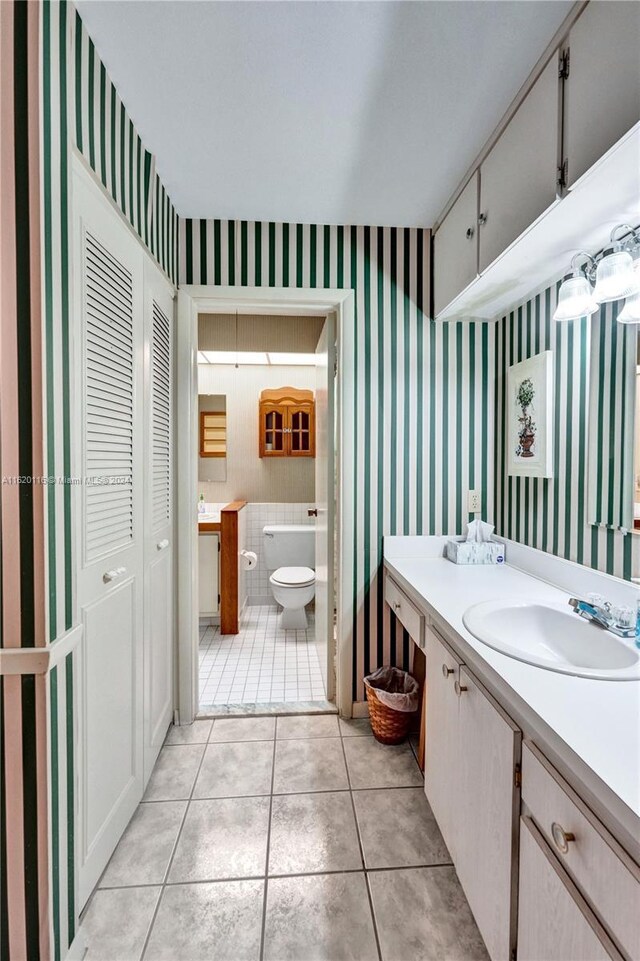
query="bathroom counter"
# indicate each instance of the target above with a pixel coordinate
(589, 728)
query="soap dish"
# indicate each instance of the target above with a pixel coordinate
(461, 551)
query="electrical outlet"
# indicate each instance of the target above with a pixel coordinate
(475, 502)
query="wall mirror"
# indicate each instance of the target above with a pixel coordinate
(212, 434)
(613, 428)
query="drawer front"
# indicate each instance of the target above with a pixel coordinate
(405, 610)
(605, 875)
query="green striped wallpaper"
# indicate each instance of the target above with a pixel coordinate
(23, 733)
(423, 392)
(553, 515)
(80, 108)
(614, 352)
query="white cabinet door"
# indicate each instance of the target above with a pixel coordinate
(487, 812)
(602, 93)
(455, 252)
(518, 177)
(554, 922)
(158, 560)
(108, 341)
(442, 760)
(208, 574)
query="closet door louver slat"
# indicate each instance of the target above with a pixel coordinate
(161, 418)
(108, 402)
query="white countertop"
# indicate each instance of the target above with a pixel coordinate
(598, 720)
(210, 517)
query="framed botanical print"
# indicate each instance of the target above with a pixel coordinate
(530, 417)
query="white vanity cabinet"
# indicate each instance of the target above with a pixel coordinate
(208, 574)
(602, 93)
(585, 852)
(472, 765)
(441, 762)
(554, 922)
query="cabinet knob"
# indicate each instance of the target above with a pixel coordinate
(446, 671)
(470, 232)
(114, 574)
(459, 688)
(396, 606)
(561, 838)
(312, 512)
(482, 219)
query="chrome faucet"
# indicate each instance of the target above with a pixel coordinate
(618, 620)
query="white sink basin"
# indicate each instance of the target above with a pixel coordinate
(553, 637)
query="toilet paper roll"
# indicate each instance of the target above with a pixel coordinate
(249, 560)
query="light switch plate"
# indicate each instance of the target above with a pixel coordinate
(475, 502)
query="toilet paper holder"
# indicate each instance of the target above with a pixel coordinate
(249, 560)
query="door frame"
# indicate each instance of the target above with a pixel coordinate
(195, 299)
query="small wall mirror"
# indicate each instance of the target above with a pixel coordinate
(212, 419)
(614, 422)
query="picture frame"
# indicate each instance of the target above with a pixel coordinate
(530, 417)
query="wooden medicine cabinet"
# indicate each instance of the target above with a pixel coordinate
(287, 423)
(213, 434)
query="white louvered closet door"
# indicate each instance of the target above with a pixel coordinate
(158, 498)
(107, 332)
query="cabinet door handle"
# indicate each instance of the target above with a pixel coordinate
(113, 574)
(482, 219)
(561, 838)
(470, 233)
(312, 511)
(446, 671)
(396, 606)
(459, 688)
(161, 545)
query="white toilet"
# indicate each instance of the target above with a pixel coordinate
(289, 551)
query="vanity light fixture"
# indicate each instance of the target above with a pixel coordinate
(615, 276)
(630, 313)
(575, 298)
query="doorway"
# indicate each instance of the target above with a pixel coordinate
(317, 657)
(266, 443)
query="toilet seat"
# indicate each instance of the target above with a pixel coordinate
(293, 577)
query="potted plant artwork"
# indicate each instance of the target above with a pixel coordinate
(527, 432)
(530, 416)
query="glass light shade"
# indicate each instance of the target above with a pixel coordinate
(630, 313)
(615, 277)
(575, 299)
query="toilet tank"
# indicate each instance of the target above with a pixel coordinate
(289, 545)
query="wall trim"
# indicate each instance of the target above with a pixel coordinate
(39, 660)
(195, 299)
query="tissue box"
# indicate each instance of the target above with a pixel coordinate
(461, 551)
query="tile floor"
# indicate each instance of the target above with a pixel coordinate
(260, 665)
(281, 839)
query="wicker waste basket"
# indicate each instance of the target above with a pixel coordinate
(392, 696)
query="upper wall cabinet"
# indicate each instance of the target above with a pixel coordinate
(602, 95)
(456, 247)
(287, 423)
(518, 177)
(513, 222)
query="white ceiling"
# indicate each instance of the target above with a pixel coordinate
(318, 112)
